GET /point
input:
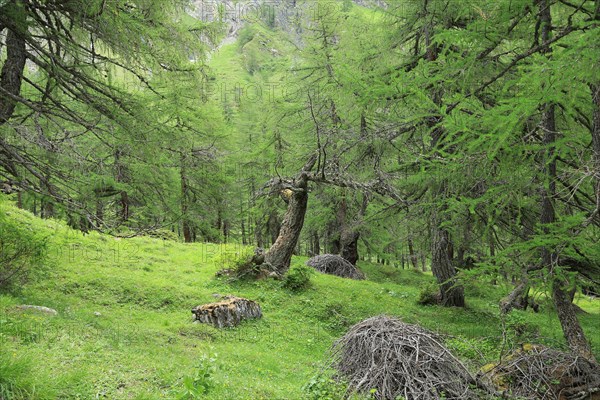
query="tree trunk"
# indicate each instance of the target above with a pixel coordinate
(273, 225)
(121, 176)
(595, 89)
(280, 254)
(11, 74)
(349, 244)
(441, 246)
(258, 234)
(243, 227)
(412, 255)
(564, 307)
(443, 269)
(185, 222)
(225, 230)
(316, 244)
(349, 233)
(518, 298)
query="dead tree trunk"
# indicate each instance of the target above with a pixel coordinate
(296, 192)
(517, 298)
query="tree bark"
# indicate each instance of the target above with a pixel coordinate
(564, 307)
(349, 234)
(11, 74)
(451, 294)
(120, 177)
(280, 254)
(349, 240)
(315, 244)
(273, 225)
(595, 89)
(185, 222)
(517, 298)
(411, 253)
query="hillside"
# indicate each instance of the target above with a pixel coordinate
(157, 156)
(142, 344)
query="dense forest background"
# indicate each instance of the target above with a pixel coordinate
(460, 137)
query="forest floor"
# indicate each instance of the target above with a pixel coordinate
(124, 325)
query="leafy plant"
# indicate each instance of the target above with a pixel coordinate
(197, 385)
(298, 278)
(429, 294)
(323, 387)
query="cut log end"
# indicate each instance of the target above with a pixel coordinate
(228, 312)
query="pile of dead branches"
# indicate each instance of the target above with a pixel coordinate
(539, 372)
(400, 360)
(335, 265)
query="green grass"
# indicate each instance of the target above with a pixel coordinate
(144, 344)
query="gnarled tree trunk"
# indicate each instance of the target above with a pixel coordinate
(280, 254)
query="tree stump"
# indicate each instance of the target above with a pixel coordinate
(228, 312)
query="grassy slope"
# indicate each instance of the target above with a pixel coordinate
(144, 342)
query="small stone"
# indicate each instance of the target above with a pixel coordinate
(97, 314)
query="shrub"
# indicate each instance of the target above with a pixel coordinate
(298, 278)
(22, 250)
(429, 294)
(237, 260)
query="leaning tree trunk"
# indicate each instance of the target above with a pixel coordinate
(280, 254)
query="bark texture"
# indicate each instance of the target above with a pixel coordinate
(296, 193)
(227, 313)
(11, 75)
